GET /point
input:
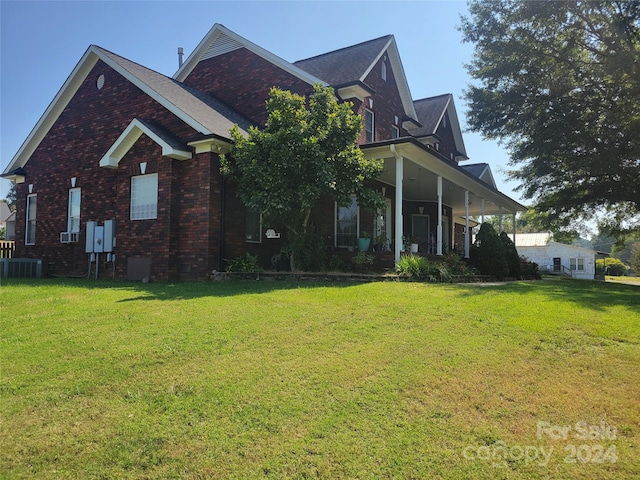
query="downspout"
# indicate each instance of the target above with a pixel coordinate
(223, 194)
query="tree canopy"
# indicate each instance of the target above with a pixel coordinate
(303, 153)
(559, 84)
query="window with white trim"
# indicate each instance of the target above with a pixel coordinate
(253, 226)
(576, 264)
(369, 135)
(144, 197)
(395, 132)
(30, 233)
(382, 224)
(73, 211)
(384, 69)
(347, 224)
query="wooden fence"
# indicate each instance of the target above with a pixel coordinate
(7, 247)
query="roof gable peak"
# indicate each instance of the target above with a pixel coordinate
(220, 40)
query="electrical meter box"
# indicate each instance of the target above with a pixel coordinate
(100, 238)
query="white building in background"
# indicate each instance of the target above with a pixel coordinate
(555, 257)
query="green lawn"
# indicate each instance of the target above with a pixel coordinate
(281, 380)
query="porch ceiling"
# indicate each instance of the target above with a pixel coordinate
(421, 170)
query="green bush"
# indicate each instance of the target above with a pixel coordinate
(419, 268)
(362, 261)
(456, 265)
(488, 253)
(613, 266)
(511, 255)
(307, 251)
(247, 263)
(529, 270)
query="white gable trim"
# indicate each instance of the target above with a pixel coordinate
(391, 49)
(130, 136)
(223, 36)
(455, 126)
(54, 110)
(67, 92)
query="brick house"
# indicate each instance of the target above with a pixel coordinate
(124, 163)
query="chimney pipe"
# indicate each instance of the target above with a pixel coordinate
(180, 55)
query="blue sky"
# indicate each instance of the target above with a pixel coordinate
(41, 42)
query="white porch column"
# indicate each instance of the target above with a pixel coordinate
(467, 236)
(514, 227)
(439, 228)
(399, 221)
(499, 219)
(482, 211)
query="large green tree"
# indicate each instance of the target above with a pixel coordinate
(559, 83)
(306, 150)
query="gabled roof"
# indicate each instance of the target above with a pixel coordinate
(220, 40)
(532, 239)
(431, 111)
(171, 146)
(481, 171)
(202, 112)
(350, 65)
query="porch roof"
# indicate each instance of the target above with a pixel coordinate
(421, 169)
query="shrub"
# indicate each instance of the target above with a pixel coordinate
(529, 270)
(613, 266)
(306, 250)
(511, 255)
(362, 261)
(247, 263)
(419, 268)
(456, 265)
(488, 253)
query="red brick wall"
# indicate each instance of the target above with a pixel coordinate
(242, 80)
(387, 103)
(181, 242)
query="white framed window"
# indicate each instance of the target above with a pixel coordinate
(73, 211)
(369, 126)
(346, 226)
(576, 264)
(395, 132)
(144, 197)
(253, 226)
(382, 224)
(384, 69)
(30, 231)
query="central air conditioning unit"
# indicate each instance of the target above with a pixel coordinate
(69, 237)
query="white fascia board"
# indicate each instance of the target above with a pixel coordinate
(455, 126)
(453, 173)
(55, 108)
(391, 49)
(211, 145)
(353, 91)
(129, 137)
(155, 95)
(193, 59)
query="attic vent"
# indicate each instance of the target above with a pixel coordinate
(223, 44)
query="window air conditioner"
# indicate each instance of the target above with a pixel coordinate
(69, 237)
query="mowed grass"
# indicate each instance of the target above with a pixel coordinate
(243, 380)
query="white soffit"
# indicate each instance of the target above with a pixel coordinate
(130, 136)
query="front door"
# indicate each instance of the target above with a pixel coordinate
(420, 231)
(557, 264)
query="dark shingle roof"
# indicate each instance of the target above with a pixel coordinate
(475, 169)
(204, 109)
(429, 111)
(345, 65)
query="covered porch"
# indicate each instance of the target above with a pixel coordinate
(432, 199)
